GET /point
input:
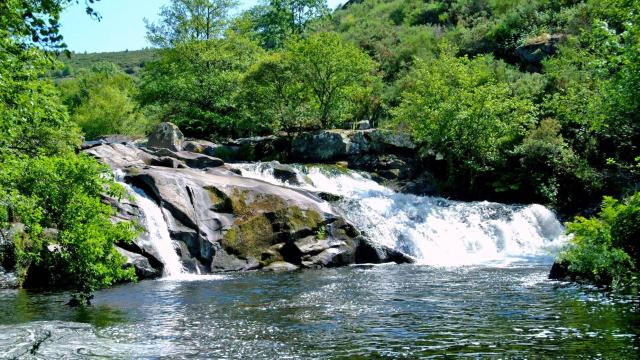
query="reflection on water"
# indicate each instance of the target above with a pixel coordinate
(382, 311)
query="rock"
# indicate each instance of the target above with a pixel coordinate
(166, 161)
(107, 140)
(319, 146)
(193, 160)
(141, 264)
(388, 141)
(166, 136)
(285, 173)
(278, 266)
(198, 146)
(363, 125)
(536, 49)
(369, 252)
(119, 156)
(424, 185)
(331, 257)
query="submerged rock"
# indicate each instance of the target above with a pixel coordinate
(278, 266)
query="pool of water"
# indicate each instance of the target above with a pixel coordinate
(390, 311)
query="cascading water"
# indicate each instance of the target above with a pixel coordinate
(157, 229)
(158, 234)
(435, 230)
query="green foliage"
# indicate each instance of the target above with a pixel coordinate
(196, 85)
(64, 193)
(189, 20)
(131, 62)
(335, 72)
(101, 102)
(43, 183)
(276, 21)
(317, 82)
(605, 248)
(461, 109)
(32, 118)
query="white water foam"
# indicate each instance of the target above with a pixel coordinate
(435, 230)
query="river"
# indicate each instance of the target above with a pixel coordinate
(478, 290)
(392, 311)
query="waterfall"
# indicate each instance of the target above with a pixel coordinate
(158, 233)
(157, 229)
(435, 230)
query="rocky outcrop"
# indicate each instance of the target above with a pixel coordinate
(225, 222)
(390, 156)
(166, 136)
(536, 49)
(8, 276)
(141, 264)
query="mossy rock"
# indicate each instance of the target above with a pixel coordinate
(251, 237)
(247, 203)
(295, 219)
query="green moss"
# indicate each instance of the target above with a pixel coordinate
(296, 219)
(246, 203)
(250, 237)
(220, 202)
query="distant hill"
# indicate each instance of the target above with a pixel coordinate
(131, 62)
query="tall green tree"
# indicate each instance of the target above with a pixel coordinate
(276, 21)
(197, 83)
(336, 73)
(189, 20)
(458, 107)
(43, 182)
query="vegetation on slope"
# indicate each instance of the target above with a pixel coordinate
(44, 184)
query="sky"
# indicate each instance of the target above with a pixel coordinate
(122, 25)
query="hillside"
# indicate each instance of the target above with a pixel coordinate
(130, 62)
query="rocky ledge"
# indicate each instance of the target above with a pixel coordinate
(225, 222)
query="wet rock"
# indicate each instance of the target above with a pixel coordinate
(222, 261)
(166, 136)
(166, 161)
(286, 174)
(320, 146)
(198, 146)
(369, 252)
(279, 266)
(141, 264)
(424, 185)
(193, 160)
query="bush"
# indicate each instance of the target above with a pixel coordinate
(64, 193)
(459, 108)
(604, 249)
(101, 100)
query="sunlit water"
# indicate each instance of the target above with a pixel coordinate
(394, 311)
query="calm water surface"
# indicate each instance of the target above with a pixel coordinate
(379, 312)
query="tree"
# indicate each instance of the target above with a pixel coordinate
(37, 21)
(335, 72)
(276, 21)
(189, 20)
(197, 83)
(275, 94)
(459, 108)
(101, 101)
(43, 182)
(65, 193)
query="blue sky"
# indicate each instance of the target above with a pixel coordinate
(121, 27)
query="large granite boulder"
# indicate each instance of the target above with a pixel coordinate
(226, 222)
(166, 136)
